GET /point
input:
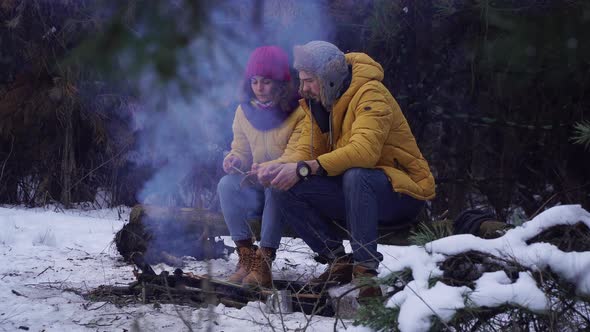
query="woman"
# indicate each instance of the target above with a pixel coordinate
(266, 126)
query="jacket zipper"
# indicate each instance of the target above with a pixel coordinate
(311, 130)
(265, 144)
(331, 139)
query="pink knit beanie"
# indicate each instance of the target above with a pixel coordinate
(269, 62)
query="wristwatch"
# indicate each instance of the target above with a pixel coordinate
(303, 170)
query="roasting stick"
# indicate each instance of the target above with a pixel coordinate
(243, 173)
(238, 170)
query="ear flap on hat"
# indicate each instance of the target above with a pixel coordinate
(332, 76)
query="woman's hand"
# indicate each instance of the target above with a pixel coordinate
(231, 164)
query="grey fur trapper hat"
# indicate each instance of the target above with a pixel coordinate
(327, 63)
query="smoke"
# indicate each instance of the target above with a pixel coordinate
(184, 126)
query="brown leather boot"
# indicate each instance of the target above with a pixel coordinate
(261, 273)
(338, 271)
(364, 277)
(247, 255)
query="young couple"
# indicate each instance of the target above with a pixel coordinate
(341, 158)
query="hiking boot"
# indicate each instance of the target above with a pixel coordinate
(261, 273)
(246, 255)
(363, 277)
(338, 271)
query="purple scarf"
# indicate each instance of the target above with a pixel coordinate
(264, 116)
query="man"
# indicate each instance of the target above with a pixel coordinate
(356, 165)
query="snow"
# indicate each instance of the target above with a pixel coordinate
(495, 288)
(422, 302)
(573, 266)
(48, 258)
(422, 264)
(441, 300)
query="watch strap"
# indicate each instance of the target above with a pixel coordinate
(320, 171)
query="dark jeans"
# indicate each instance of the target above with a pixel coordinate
(358, 201)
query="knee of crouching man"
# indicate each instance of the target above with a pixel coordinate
(354, 176)
(278, 195)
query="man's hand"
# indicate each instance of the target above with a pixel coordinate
(286, 178)
(267, 172)
(231, 163)
(254, 168)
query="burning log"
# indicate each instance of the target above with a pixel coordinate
(140, 262)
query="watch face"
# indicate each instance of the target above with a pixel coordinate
(304, 171)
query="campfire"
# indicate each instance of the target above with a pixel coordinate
(186, 288)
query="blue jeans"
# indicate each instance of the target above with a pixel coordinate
(240, 205)
(325, 210)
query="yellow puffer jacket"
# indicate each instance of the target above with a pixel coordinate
(252, 145)
(368, 131)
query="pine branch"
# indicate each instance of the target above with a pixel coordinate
(582, 134)
(430, 232)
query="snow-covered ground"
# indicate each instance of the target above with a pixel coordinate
(48, 258)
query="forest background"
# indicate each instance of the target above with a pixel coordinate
(112, 102)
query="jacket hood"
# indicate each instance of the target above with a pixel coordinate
(364, 69)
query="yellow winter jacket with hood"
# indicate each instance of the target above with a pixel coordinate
(252, 145)
(368, 131)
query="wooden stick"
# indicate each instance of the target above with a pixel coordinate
(247, 176)
(238, 170)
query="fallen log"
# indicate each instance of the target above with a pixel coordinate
(165, 233)
(213, 223)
